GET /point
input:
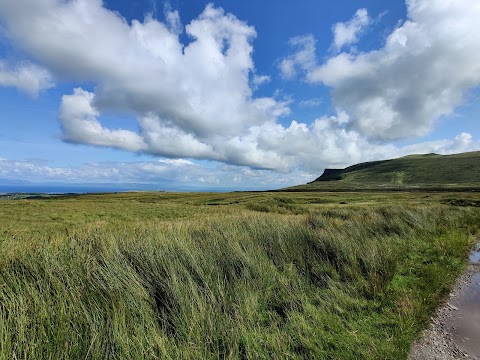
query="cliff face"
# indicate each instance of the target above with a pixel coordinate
(329, 175)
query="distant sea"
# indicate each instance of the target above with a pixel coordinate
(100, 188)
(64, 189)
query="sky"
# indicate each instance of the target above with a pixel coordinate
(231, 95)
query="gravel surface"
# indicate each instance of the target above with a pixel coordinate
(455, 329)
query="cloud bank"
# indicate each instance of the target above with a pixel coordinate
(160, 174)
(197, 100)
(183, 173)
(423, 72)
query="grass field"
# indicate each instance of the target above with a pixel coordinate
(236, 276)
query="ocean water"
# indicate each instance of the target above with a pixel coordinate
(101, 188)
(64, 189)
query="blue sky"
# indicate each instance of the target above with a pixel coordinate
(231, 94)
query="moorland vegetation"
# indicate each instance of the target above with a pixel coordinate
(239, 275)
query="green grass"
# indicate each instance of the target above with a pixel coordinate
(241, 275)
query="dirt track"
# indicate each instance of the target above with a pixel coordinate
(455, 329)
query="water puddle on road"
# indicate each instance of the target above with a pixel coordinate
(475, 255)
(464, 322)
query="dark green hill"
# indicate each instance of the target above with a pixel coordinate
(458, 171)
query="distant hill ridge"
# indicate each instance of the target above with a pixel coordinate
(461, 168)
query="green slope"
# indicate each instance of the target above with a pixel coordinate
(460, 171)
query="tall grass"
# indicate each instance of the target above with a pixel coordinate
(262, 282)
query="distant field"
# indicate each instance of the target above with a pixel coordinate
(237, 275)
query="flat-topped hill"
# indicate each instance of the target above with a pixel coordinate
(458, 171)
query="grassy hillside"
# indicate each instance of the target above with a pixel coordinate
(425, 171)
(237, 276)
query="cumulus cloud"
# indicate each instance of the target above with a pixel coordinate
(193, 100)
(80, 124)
(27, 77)
(347, 33)
(303, 58)
(422, 73)
(328, 142)
(461, 143)
(197, 100)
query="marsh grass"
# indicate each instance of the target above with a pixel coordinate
(257, 276)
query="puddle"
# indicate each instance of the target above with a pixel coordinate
(465, 320)
(475, 255)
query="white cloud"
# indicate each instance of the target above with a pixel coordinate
(303, 58)
(461, 143)
(80, 124)
(347, 33)
(422, 73)
(167, 139)
(172, 18)
(27, 77)
(197, 100)
(310, 102)
(192, 100)
(260, 80)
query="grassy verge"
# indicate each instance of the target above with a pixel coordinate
(226, 275)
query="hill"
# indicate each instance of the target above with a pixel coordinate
(458, 172)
